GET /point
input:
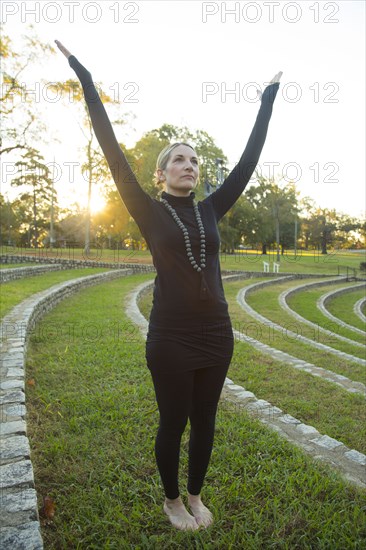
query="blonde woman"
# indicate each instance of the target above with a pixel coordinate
(190, 341)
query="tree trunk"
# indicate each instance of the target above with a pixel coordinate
(35, 218)
(323, 243)
(278, 239)
(87, 220)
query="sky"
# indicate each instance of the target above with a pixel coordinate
(196, 64)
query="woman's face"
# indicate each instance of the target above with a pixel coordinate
(181, 173)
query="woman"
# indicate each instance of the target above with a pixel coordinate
(190, 340)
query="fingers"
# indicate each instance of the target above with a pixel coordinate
(276, 78)
(62, 48)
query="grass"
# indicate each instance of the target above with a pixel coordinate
(265, 302)
(16, 291)
(314, 401)
(317, 402)
(305, 262)
(92, 439)
(304, 303)
(342, 307)
(11, 266)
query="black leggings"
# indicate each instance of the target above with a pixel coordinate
(194, 395)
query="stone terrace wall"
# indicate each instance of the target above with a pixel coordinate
(69, 263)
(22, 272)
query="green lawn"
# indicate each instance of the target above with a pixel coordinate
(304, 303)
(265, 302)
(16, 291)
(12, 266)
(333, 263)
(92, 439)
(342, 307)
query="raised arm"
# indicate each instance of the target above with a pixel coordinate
(134, 197)
(233, 186)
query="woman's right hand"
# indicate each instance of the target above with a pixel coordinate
(62, 48)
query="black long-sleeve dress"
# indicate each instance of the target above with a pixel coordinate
(189, 327)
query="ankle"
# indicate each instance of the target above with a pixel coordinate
(177, 500)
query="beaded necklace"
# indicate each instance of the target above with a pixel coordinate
(204, 293)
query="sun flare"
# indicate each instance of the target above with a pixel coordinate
(97, 203)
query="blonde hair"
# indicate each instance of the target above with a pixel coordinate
(163, 158)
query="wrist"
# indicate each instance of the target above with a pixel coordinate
(270, 92)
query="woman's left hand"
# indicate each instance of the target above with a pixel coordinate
(62, 48)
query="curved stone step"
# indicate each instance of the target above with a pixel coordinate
(349, 462)
(321, 305)
(241, 299)
(357, 308)
(15, 273)
(282, 299)
(300, 364)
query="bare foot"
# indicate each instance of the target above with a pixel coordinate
(178, 515)
(202, 514)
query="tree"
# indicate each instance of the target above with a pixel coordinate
(307, 206)
(35, 175)
(133, 238)
(21, 120)
(321, 226)
(362, 232)
(286, 210)
(70, 228)
(236, 226)
(261, 233)
(347, 232)
(274, 210)
(8, 221)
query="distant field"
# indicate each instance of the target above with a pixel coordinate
(334, 263)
